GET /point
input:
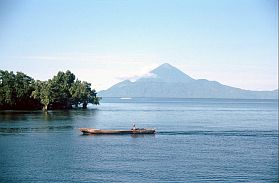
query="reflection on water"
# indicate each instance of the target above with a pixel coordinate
(142, 135)
(17, 122)
(6, 116)
(120, 135)
(39, 129)
(13, 116)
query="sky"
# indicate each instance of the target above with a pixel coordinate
(234, 42)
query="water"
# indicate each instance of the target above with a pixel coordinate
(198, 140)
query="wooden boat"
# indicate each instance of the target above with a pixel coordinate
(87, 131)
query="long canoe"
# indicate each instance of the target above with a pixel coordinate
(87, 131)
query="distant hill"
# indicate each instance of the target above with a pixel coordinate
(167, 81)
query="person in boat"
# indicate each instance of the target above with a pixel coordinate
(134, 126)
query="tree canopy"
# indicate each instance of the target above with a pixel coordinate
(19, 91)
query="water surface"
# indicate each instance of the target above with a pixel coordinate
(197, 140)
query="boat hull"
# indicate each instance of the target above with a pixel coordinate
(87, 131)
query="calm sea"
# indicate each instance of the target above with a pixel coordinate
(197, 140)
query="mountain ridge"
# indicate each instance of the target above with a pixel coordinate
(166, 81)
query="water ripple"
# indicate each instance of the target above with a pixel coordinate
(34, 129)
(223, 133)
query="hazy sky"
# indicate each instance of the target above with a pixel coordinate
(234, 42)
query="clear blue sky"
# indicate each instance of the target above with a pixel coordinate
(234, 42)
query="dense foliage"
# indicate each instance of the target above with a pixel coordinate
(19, 91)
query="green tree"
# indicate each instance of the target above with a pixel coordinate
(42, 93)
(75, 92)
(7, 92)
(60, 89)
(15, 91)
(82, 93)
(23, 86)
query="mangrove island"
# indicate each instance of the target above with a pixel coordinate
(21, 92)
